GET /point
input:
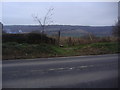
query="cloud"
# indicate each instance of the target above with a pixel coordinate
(73, 13)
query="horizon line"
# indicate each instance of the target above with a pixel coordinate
(54, 24)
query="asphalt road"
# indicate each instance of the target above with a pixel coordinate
(100, 71)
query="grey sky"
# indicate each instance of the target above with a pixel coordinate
(67, 13)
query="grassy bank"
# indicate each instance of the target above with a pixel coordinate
(13, 50)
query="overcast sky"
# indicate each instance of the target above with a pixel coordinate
(65, 13)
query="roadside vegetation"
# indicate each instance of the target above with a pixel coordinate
(15, 50)
(39, 45)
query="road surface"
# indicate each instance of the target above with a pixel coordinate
(99, 71)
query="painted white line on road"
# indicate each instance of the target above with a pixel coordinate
(51, 69)
(61, 68)
(70, 68)
(83, 66)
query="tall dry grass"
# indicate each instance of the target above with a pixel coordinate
(71, 41)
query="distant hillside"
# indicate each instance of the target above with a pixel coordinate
(66, 30)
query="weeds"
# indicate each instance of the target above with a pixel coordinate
(13, 50)
(19, 46)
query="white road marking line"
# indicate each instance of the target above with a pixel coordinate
(51, 69)
(61, 68)
(83, 66)
(70, 68)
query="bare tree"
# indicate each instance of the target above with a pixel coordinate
(46, 20)
(90, 36)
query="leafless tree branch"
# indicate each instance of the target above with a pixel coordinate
(46, 19)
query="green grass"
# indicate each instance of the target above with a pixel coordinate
(13, 50)
(100, 48)
(110, 47)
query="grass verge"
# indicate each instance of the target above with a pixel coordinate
(13, 50)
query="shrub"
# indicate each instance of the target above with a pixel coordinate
(32, 38)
